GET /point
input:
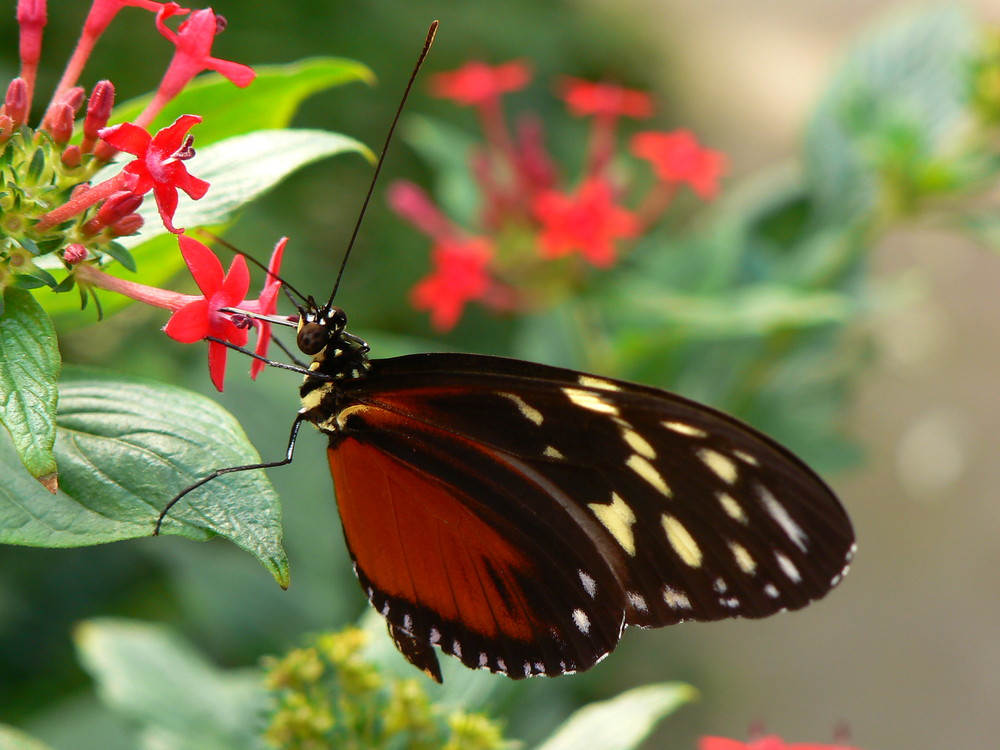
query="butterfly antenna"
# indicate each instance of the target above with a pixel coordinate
(385, 147)
(229, 246)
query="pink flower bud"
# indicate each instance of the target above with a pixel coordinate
(59, 123)
(31, 17)
(71, 157)
(113, 210)
(128, 225)
(102, 100)
(74, 253)
(16, 102)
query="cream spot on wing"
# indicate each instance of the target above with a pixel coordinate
(732, 508)
(528, 411)
(675, 599)
(638, 443)
(617, 518)
(552, 452)
(590, 401)
(772, 591)
(685, 429)
(581, 621)
(743, 558)
(589, 584)
(644, 469)
(589, 381)
(746, 458)
(723, 466)
(681, 540)
(777, 511)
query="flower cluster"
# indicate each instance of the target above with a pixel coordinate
(528, 215)
(50, 209)
(767, 742)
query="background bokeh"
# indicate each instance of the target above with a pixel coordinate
(905, 652)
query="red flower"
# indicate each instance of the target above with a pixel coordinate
(677, 157)
(607, 99)
(588, 223)
(770, 742)
(266, 304)
(160, 163)
(193, 41)
(203, 317)
(477, 83)
(460, 275)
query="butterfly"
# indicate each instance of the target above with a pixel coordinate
(518, 516)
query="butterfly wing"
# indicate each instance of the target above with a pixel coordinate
(519, 515)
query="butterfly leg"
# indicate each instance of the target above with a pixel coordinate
(232, 469)
(270, 362)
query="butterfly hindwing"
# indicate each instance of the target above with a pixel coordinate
(518, 515)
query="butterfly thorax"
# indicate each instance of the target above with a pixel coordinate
(338, 357)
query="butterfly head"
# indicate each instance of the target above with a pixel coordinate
(318, 326)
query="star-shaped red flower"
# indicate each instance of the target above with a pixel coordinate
(477, 83)
(589, 223)
(203, 316)
(604, 99)
(678, 157)
(460, 276)
(159, 165)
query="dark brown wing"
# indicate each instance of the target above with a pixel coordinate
(518, 515)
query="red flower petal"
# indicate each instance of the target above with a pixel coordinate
(677, 157)
(217, 363)
(588, 98)
(190, 323)
(477, 83)
(127, 137)
(460, 275)
(237, 282)
(588, 222)
(205, 267)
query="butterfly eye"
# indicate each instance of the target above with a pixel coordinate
(312, 338)
(336, 319)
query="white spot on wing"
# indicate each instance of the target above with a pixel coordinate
(528, 411)
(501, 666)
(720, 586)
(407, 623)
(675, 599)
(638, 601)
(435, 637)
(780, 515)
(772, 591)
(646, 470)
(589, 584)
(483, 659)
(681, 540)
(456, 649)
(788, 567)
(581, 621)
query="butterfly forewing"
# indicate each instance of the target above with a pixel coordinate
(517, 515)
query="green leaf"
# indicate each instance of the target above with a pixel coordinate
(268, 103)
(908, 76)
(748, 311)
(239, 169)
(242, 168)
(29, 371)
(622, 722)
(14, 739)
(151, 676)
(446, 149)
(126, 447)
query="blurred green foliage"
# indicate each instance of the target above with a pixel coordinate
(756, 307)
